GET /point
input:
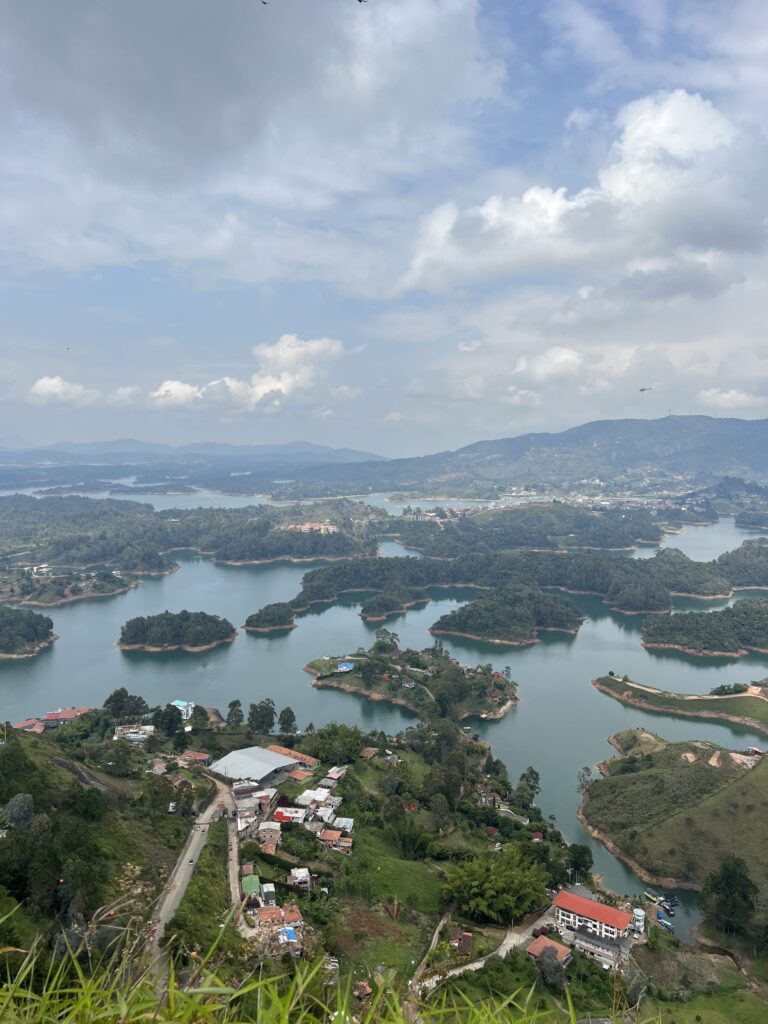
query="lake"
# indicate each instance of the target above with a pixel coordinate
(561, 724)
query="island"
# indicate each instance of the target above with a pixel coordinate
(272, 618)
(512, 615)
(48, 590)
(741, 703)
(733, 632)
(673, 811)
(393, 602)
(430, 683)
(179, 631)
(23, 634)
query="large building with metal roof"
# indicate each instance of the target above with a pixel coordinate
(256, 764)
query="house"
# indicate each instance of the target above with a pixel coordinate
(158, 766)
(537, 837)
(269, 832)
(580, 913)
(300, 877)
(270, 918)
(492, 831)
(292, 916)
(300, 774)
(461, 941)
(333, 840)
(246, 869)
(268, 894)
(196, 757)
(30, 725)
(304, 759)
(392, 760)
(411, 807)
(345, 824)
(368, 752)
(62, 716)
(136, 733)
(184, 707)
(337, 773)
(537, 947)
(290, 815)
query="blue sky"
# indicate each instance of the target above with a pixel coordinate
(402, 225)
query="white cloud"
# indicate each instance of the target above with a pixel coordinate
(580, 118)
(715, 398)
(346, 391)
(555, 362)
(288, 365)
(56, 389)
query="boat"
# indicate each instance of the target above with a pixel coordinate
(653, 897)
(664, 923)
(669, 897)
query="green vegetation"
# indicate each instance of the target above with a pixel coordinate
(747, 566)
(513, 614)
(132, 537)
(678, 809)
(22, 587)
(180, 629)
(736, 630)
(272, 616)
(501, 889)
(206, 903)
(429, 681)
(529, 526)
(732, 704)
(382, 606)
(23, 632)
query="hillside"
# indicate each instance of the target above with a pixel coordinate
(677, 809)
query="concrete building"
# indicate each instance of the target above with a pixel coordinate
(576, 912)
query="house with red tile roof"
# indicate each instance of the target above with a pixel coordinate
(579, 912)
(537, 947)
(63, 715)
(303, 759)
(196, 757)
(30, 725)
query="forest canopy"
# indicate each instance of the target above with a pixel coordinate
(168, 629)
(21, 630)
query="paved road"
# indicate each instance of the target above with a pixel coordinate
(182, 873)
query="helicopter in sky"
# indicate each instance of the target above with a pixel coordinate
(648, 387)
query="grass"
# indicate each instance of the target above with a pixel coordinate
(742, 706)
(681, 819)
(741, 1007)
(415, 883)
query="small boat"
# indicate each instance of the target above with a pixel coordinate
(669, 897)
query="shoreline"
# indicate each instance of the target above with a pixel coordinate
(31, 651)
(507, 643)
(638, 702)
(270, 629)
(151, 649)
(331, 683)
(743, 652)
(31, 603)
(663, 881)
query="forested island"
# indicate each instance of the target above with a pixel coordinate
(673, 811)
(511, 615)
(627, 585)
(732, 632)
(132, 537)
(742, 704)
(52, 590)
(428, 682)
(24, 634)
(271, 618)
(169, 631)
(539, 526)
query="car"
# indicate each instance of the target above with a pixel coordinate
(191, 860)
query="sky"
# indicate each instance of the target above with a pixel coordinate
(394, 225)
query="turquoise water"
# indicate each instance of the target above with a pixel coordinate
(561, 723)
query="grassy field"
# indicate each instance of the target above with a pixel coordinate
(678, 814)
(741, 706)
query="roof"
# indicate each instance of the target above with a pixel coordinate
(295, 754)
(595, 911)
(538, 946)
(30, 725)
(195, 755)
(300, 774)
(64, 714)
(270, 915)
(252, 763)
(250, 884)
(292, 914)
(246, 869)
(328, 835)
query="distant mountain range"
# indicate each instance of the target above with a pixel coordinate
(632, 454)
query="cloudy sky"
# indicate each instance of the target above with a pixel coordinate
(400, 225)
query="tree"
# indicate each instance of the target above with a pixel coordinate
(310, 729)
(501, 888)
(19, 812)
(550, 968)
(386, 641)
(286, 722)
(585, 779)
(728, 897)
(167, 720)
(235, 715)
(121, 704)
(580, 857)
(261, 716)
(198, 719)
(335, 743)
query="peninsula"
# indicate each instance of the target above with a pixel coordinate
(740, 704)
(23, 634)
(272, 618)
(181, 631)
(734, 632)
